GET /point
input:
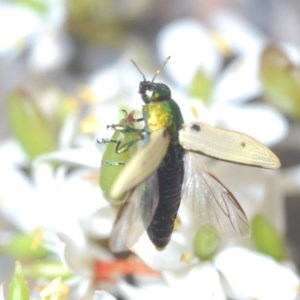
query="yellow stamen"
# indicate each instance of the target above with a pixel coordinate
(87, 94)
(55, 290)
(37, 238)
(194, 112)
(186, 257)
(222, 44)
(90, 124)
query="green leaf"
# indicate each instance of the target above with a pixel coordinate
(23, 246)
(206, 243)
(30, 127)
(201, 87)
(49, 269)
(281, 81)
(37, 5)
(18, 289)
(266, 238)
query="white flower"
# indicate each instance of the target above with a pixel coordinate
(102, 295)
(51, 198)
(235, 273)
(201, 282)
(65, 204)
(252, 275)
(1, 292)
(40, 33)
(190, 46)
(80, 254)
(15, 41)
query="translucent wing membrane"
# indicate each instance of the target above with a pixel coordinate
(135, 215)
(142, 164)
(227, 145)
(211, 202)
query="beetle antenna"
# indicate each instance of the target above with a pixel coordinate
(161, 68)
(134, 63)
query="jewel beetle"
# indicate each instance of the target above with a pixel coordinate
(168, 170)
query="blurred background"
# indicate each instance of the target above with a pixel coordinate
(52, 52)
(92, 34)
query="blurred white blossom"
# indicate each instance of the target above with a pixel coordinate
(58, 193)
(235, 273)
(40, 33)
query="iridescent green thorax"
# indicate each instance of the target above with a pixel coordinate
(163, 114)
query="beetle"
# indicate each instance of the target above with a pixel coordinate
(168, 170)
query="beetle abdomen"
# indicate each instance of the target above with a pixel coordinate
(170, 177)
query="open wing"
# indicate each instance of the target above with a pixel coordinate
(135, 215)
(211, 202)
(142, 164)
(227, 145)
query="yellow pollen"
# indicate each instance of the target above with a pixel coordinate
(71, 104)
(55, 290)
(194, 111)
(37, 238)
(222, 44)
(90, 124)
(186, 257)
(87, 95)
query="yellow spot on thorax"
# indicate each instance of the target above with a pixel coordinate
(158, 116)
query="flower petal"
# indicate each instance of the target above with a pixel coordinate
(240, 81)
(291, 180)
(241, 35)
(258, 120)
(201, 280)
(250, 275)
(89, 157)
(27, 26)
(102, 295)
(191, 48)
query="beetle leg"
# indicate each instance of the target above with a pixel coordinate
(105, 141)
(121, 148)
(124, 128)
(138, 119)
